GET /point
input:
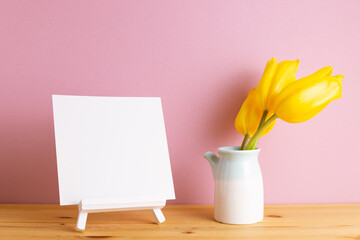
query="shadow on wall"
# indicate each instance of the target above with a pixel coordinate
(220, 108)
(229, 99)
(28, 164)
(27, 153)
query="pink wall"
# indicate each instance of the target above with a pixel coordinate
(201, 57)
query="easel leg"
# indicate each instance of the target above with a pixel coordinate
(81, 222)
(158, 215)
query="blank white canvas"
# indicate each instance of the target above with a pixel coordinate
(111, 148)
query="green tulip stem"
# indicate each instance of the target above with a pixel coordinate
(252, 143)
(255, 143)
(244, 141)
(263, 118)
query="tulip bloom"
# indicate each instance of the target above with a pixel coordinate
(274, 79)
(249, 117)
(282, 96)
(306, 97)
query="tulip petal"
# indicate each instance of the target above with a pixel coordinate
(301, 83)
(240, 121)
(285, 75)
(265, 82)
(304, 103)
(249, 117)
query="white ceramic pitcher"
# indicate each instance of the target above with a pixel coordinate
(239, 194)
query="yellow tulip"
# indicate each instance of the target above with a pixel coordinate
(306, 97)
(274, 79)
(282, 96)
(249, 117)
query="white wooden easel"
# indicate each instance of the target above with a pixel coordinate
(108, 158)
(100, 205)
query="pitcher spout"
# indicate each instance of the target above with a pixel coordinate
(213, 160)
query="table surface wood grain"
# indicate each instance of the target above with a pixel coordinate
(295, 221)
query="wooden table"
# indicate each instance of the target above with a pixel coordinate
(300, 221)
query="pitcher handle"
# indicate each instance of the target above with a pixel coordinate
(213, 160)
